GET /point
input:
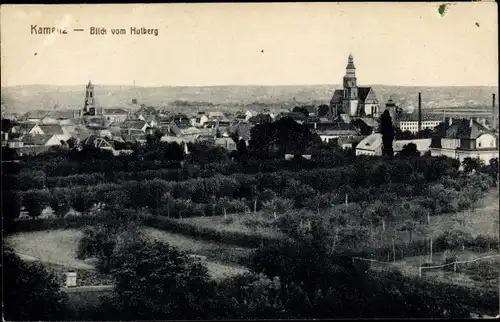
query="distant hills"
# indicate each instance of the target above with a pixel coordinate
(32, 97)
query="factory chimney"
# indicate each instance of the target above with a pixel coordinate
(419, 112)
(494, 121)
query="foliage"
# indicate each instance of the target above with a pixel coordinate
(409, 150)
(35, 201)
(472, 164)
(30, 292)
(280, 137)
(387, 133)
(157, 281)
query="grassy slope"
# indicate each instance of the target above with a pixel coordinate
(57, 248)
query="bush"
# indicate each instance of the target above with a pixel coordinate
(35, 201)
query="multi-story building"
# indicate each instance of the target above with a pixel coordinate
(464, 138)
(409, 122)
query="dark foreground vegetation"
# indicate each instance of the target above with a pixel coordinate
(330, 208)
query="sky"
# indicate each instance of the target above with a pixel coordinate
(406, 44)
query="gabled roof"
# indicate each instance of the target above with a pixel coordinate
(190, 131)
(414, 117)
(51, 129)
(59, 115)
(423, 145)
(337, 96)
(24, 127)
(150, 110)
(466, 129)
(114, 111)
(36, 139)
(371, 142)
(216, 114)
(133, 124)
(38, 114)
(363, 93)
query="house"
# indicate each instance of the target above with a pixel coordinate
(136, 136)
(26, 128)
(334, 131)
(249, 114)
(144, 112)
(227, 143)
(181, 120)
(464, 138)
(114, 115)
(370, 145)
(103, 144)
(43, 140)
(199, 120)
(216, 115)
(135, 125)
(224, 122)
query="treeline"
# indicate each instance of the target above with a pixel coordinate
(353, 171)
(106, 172)
(398, 179)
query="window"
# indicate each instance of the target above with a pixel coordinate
(492, 143)
(478, 144)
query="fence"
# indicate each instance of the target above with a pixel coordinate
(453, 263)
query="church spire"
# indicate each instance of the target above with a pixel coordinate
(350, 69)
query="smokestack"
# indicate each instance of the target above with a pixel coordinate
(419, 112)
(494, 121)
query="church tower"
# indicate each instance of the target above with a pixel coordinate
(89, 107)
(350, 98)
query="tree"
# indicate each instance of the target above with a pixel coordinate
(409, 150)
(156, 281)
(324, 110)
(30, 292)
(59, 203)
(35, 202)
(11, 206)
(472, 164)
(387, 132)
(301, 109)
(242, 147)
(249, 296)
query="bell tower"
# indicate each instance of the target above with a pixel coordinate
(89, 107)
(350, 88)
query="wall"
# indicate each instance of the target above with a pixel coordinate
(368, 109)
(450, 143)
(486, 141)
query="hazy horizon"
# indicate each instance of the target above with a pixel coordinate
(265, 44)
(239, 85)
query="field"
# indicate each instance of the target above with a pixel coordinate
(57, 249)
(247, 223)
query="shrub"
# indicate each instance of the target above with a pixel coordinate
(35, 201)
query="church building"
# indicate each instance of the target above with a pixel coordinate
(89, 108)
(353, 100)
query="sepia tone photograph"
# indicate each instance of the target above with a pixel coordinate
(237, 161)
